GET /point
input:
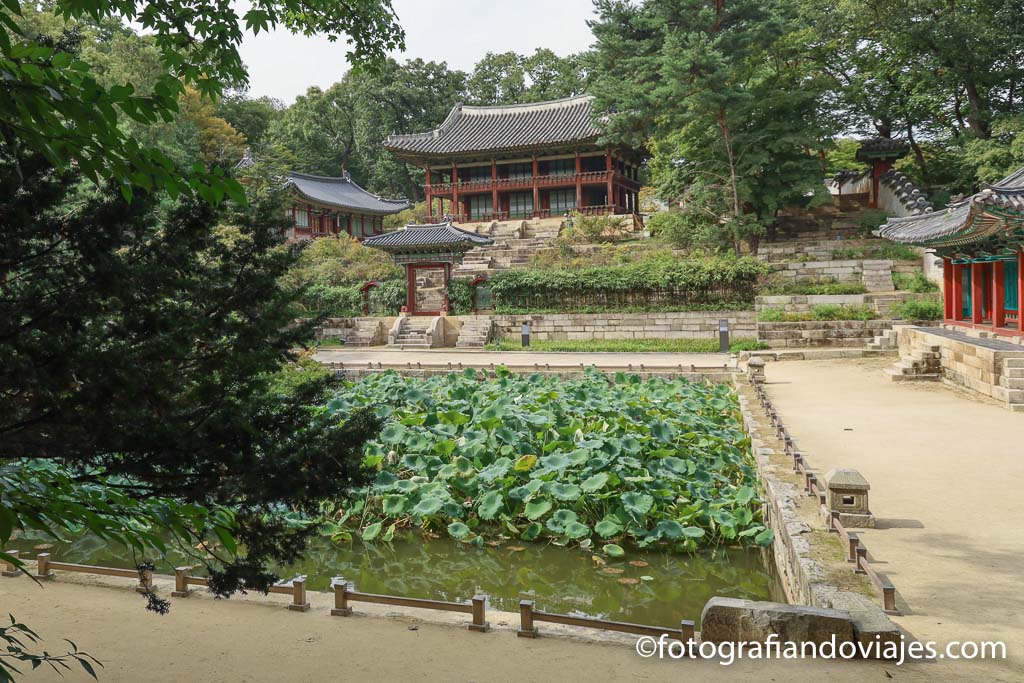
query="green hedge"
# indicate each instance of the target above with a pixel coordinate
(654, 282)
(347, 300)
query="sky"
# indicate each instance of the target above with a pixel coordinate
(459, 32)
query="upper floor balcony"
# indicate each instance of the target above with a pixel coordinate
(528, 182)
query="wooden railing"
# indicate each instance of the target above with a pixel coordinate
(528, 614)
(344, 595)
(595, 210)
(525, 183)
(857, 553)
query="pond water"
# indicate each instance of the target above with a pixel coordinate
(643, 587)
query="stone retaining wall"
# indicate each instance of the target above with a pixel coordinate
(803, 303)
(876, 275)
(590, 326)
(964, 364)
(821, 333)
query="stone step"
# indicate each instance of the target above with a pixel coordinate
(1012, 396)
(896, 376)
(1013, 363)
(1011, 382)
(1015, 373)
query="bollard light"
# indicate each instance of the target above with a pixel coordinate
(723, 335)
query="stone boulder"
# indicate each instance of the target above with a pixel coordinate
(748, 621)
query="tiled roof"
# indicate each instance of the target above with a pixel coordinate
(881, 148)
(430, 236)
(343, 193)
(504, 127)
(982, 215)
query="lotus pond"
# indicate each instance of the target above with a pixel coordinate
(606, 466)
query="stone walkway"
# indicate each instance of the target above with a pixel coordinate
(479, 358)
(947, 477)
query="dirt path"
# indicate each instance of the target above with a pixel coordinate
(947, 478)
(257, 639)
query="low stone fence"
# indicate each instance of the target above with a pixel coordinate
(590, 326)
(813, 333)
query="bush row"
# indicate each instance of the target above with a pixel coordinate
(654, 282)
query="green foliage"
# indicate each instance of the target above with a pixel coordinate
(726, 93)
(628, 345)
(511, 78)
(819, 312)
(842, 156)
(417, 215)
(460, 296)
(928, 309)
(594, 229)
(879, 251)
(340, 261)
(664, 281)
(824, 286)
(658, 462)
(916, 282)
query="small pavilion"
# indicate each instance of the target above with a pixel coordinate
(427, 252)
(981, 242)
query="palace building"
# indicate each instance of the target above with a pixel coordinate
(325, 206)
(981, 242)
(521, 161)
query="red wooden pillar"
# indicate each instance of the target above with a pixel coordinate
(494, 189)
(411, 294)
(608, 171)
(948, 297)
(536, 190)
(998, 294)
(430, 202)
(1020, 290)
(977, 291)
(455, 190)
(958, 292)
(878, 168)
(579, 185)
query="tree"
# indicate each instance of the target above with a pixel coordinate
(52, 102)
(249, 117)
(143, 327)
(722, 92)
(219, 143)
(498, 78)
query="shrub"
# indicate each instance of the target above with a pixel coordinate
(888, 250)
(830, 287)
(652, 282)
(389, 297)
(417, 214)
(333, 262)
(596, 228)
(845, 312)
(916, 283)
(819, 312)
(771, 315)
(928, 309)
(336, 302)
(460, 296)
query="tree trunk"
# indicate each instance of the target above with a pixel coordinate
(976, 110)
(918, 154)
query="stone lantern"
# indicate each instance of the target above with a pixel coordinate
(848, 495)
(755, 369)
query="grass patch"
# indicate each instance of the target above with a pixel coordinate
(928, 309)
(667, 308)
(628, 345)
(820, 312)
(828, 287)
(889, 251)
(916, 283)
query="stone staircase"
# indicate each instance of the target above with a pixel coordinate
(920, 365)
(887, 341)
(1011, 384)
(476, 331)
(367, 332)
(515, 243)
(412, 334)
